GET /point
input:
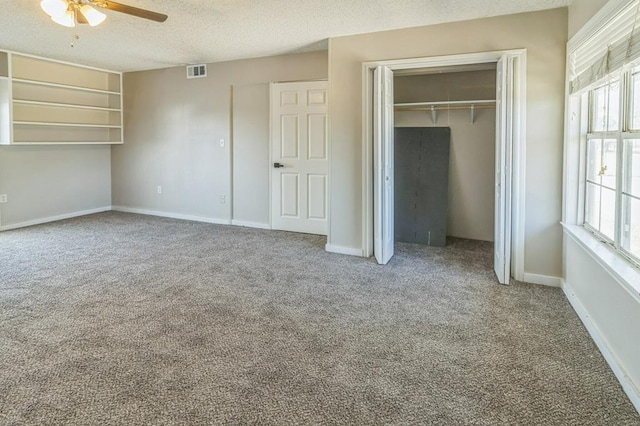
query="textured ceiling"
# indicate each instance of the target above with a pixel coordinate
(218, 30)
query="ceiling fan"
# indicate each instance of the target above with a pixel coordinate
(70, 12)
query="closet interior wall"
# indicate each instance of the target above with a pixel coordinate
(470, 209)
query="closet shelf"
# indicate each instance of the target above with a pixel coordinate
(446, 105)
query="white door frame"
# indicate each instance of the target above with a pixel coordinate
(518, 148)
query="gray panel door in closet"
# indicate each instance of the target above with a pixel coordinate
(421, 184)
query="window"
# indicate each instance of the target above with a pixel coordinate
(612, 170)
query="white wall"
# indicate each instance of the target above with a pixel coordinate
(51, 181)
(470, 210)
(543, 34)
(610, 311)
(251, 155)
(172, 129)
(605, 303)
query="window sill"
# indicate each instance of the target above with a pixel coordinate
(620, 268)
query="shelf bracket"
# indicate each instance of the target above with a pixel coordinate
(434, 114)
(473, 113)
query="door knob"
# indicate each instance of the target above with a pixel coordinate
(277, 165)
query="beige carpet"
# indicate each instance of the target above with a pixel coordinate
(125, 319)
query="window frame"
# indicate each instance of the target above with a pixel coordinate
(621, 135)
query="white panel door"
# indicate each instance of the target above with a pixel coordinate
(299, 136)
(383, 232)
(504, 103)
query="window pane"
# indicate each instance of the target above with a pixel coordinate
(631, 205)
(635, 102)
(606, 107)
(592, 206)
(608, 213)
(632, 160)
(599, 109)
(613, 122)
(594, 159)
(631, 225)
(609, 161)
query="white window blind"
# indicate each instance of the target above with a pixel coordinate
(609, 49)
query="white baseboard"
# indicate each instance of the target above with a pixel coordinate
(54, 218)
(172, 215)
(250, 224)
(632, 391)
(343, 250)
(542, 280)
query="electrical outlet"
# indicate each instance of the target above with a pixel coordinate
(223, 199)
(222, 142)
(159, 189)
(3, 198)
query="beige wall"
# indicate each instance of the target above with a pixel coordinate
(445, 86)
(580, 11)
(251, 167)
(472, 153)
(172, 129)
(48, 181)
(543, 34)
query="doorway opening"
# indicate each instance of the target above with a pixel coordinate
(444, 154)
(379, 108)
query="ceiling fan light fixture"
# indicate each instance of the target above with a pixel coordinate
(93, 16)
(67, 19)
(54, 7)
(71, 12)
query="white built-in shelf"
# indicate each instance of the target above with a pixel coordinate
(64, 143)
(55, 104)
(4, 65)
(64, 86)
(52, 102)
(48, 123)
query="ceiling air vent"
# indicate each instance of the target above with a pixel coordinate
(196, 71)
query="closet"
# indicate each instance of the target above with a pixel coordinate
(444, 154)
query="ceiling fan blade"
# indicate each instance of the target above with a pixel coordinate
(130, 10)
(80, 18)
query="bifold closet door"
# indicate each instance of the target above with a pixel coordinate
(421, 184)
